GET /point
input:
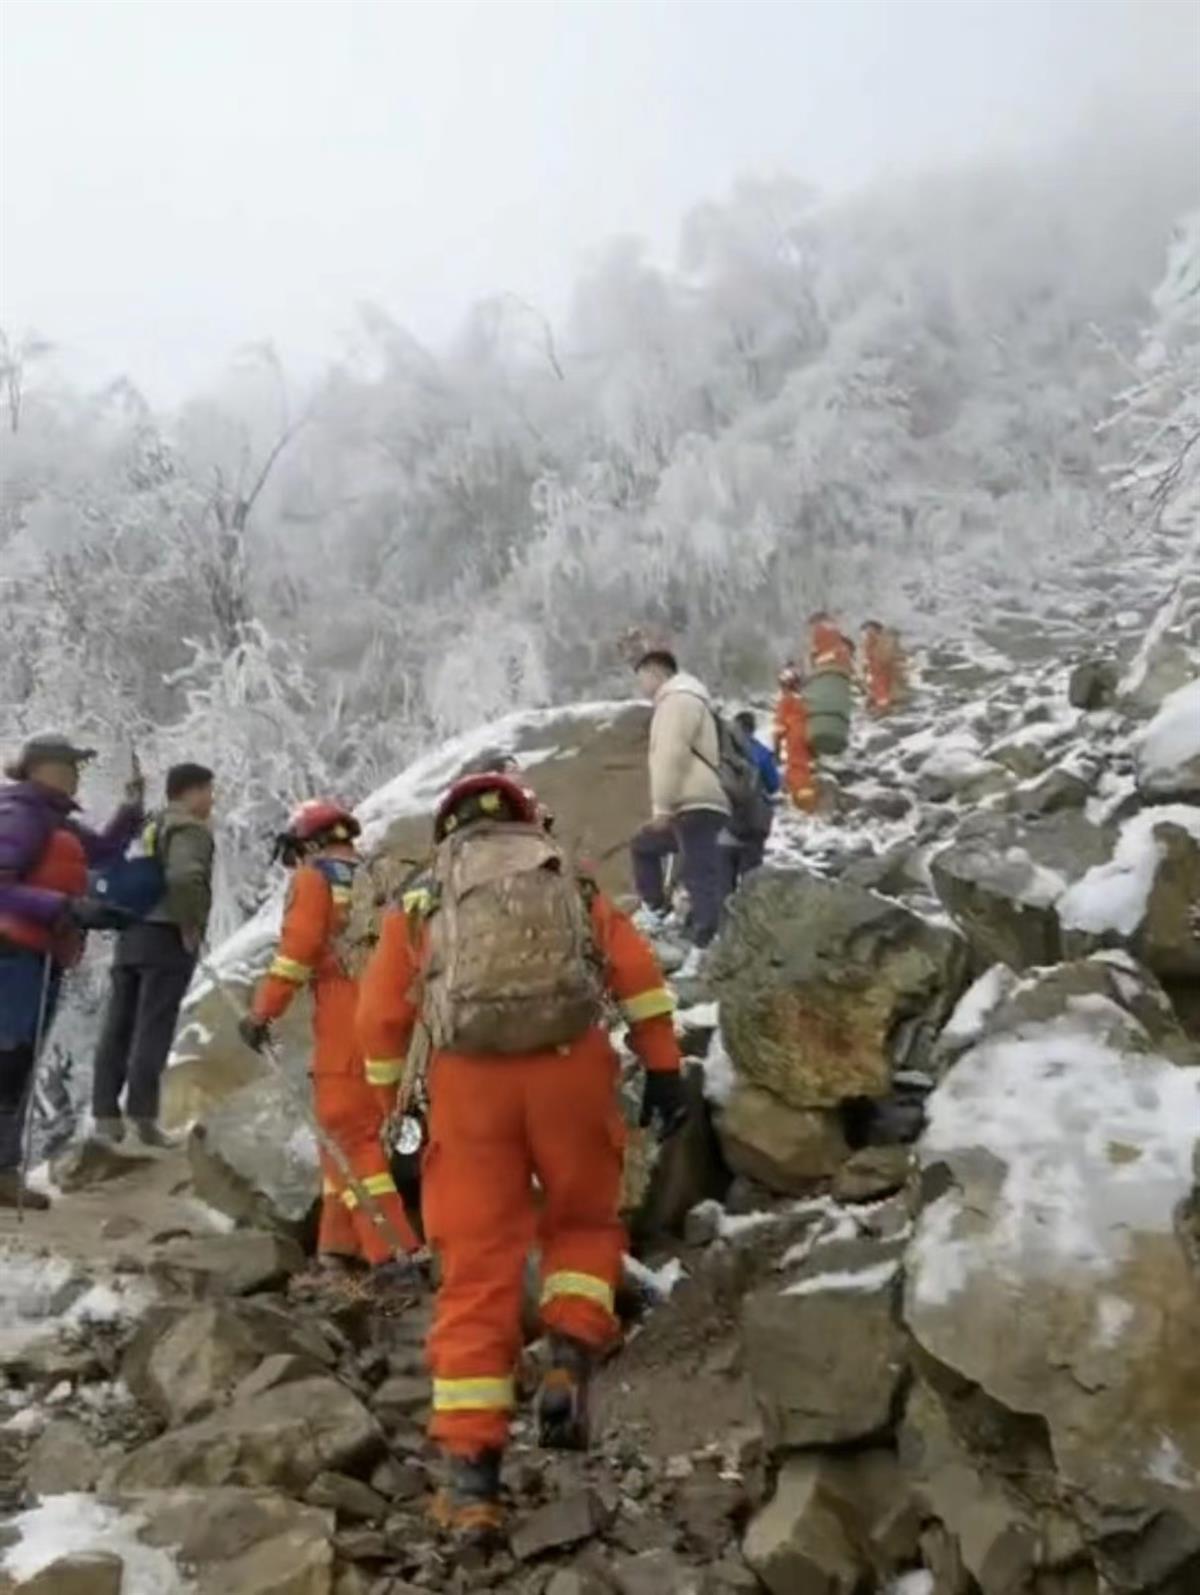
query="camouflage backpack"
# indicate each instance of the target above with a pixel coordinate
(512, 964)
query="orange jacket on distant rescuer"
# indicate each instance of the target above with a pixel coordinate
(346, 1107)
(496, 1123)
(829, 648)
(791, 744)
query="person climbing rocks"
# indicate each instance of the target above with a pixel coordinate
(883, 666)
(154, 961)
(689, 808)
(746, 853)
(501, 979)
(45, 914)
(828, 646)
(350, 1103)
(792, 744)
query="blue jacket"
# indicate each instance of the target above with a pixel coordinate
(768, 768)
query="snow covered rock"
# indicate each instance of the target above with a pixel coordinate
(786, 1149)
(1047, 1272)
(814, 979)
(1001, 877)
(1168, 750)
(1146, 897)
(824, 1352)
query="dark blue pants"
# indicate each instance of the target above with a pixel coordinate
(23, 990)
(702, 870)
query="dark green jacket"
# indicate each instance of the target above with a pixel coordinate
(184, 845)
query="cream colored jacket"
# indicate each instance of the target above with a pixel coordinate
(684, 751)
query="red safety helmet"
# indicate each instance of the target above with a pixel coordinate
(317, 821)
(518, 800)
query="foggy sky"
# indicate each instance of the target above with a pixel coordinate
(178, 177)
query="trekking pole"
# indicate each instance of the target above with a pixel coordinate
(28, 1096)
(327, 1142)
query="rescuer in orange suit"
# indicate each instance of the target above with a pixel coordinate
(883, 666)
(497, 1122)
(791, 741)
(319, 845)
(828, 646)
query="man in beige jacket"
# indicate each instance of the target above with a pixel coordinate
(689, 808)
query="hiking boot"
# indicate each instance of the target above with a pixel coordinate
(149, 1134)
(468, 1505)
(109, 1132)
(561, 1404)
(14, 1194)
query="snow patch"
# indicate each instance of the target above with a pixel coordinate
(63, 1525)
(977, 1003)
(1172, 739)
(918, 1582)
(719, 1075)
(1113, 896)
(659, 1282)
(861, 1279)
(1092, 1145)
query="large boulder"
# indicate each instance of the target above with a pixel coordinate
(834, 1525)
(1047, 1273)
(1168, 750)
(818, 980)
(236, 1540)
(280, 1439)
(587, 762)
(1145, 898)
(786, 1149)
(1001, 877)
(184, 1362)
(254, 1157)
(824, 1351)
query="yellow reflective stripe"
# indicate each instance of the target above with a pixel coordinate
(341, 895)
(328, 1188)
(648, 1005)
(374, 1185)
(290, 969)
(472, 1395)
(384, 1071)
(588, 1286)
(417, 901)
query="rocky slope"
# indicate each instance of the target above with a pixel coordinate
(918, 1304)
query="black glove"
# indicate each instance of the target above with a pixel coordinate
(92, 913)
(664, 1102)
(254, 1032)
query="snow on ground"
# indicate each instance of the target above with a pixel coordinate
(1113, 896)
(1094, 1144)
(977, 1003)
(63, 1525)
(1172, 738)
(719, 1075)
(41, 1297)
(843, 1279)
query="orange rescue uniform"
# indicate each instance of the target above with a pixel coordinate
(830, 649)
(882, 668)
(496, 1123)
(791, 745)
(347, 1108)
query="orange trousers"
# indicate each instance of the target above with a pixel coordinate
(495, 1125)
(791, 731)
(881, 688)
(352, 1113)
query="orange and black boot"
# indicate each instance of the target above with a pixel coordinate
(562, 1400)
(468, 1505)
